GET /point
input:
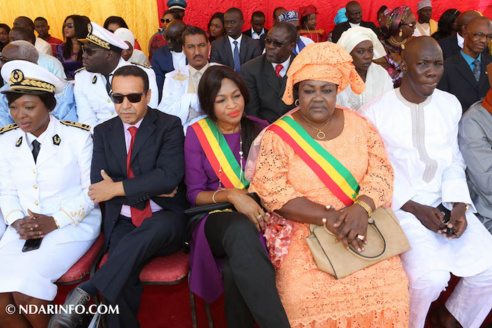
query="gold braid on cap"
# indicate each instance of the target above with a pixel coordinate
(98, 41)
(95, 39)
(19, 82)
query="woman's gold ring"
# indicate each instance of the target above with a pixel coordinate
(31, 229)
(361, 237)
(259, 216)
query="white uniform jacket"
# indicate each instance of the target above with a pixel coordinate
(56, 185)
(175, 97)
(94, 106)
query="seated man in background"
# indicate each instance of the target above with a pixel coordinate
(465, 73)
(235, 49)
(101, 58)
(354, 16)
(419, 127)
(426, 26)
(41, 26)
(137, 165)
(47, 62)
(266, 76)
(292, 17)
(169, 57)
(257, 26)
(41, 45)
(180, 96)
(65, 109)
(475, 139)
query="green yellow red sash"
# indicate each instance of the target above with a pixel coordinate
(219, 154)
(330, 171)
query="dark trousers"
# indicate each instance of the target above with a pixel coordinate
(249, 277)
(130, 248)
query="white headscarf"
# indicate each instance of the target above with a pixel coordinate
(125, 34)
(355, 35)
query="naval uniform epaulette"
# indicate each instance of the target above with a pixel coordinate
(142, 64)
(8, 128)
(79, 70)
(77, 125)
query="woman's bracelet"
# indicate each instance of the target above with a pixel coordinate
(328, 208)
(365, 206)
(213, 196)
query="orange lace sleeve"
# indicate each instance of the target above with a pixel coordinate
(271, 181)
(378, 181)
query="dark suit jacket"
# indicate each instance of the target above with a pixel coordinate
(265, 88)
(458, 79)
(222, 52)
(261, 40)
(449, 46)
(157, 162)
(248, 32)
(162, 63)
(342, 27)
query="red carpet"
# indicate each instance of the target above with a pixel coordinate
(169, 306)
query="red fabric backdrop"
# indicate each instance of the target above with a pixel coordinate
(199, 12)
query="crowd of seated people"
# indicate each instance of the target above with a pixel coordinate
(233, 144)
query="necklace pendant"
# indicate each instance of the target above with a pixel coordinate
(320, 135)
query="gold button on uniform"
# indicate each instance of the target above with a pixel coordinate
(109, 100)
(35, 187)
(112, 113)
(36, 203)
(34, 171)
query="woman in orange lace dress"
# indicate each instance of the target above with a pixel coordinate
(374, 297)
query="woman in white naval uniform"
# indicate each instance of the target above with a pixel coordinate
(44, 180)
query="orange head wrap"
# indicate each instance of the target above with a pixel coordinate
(324, 61)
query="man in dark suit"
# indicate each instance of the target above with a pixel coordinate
(257, 30)
(235, 49)
(137, 166)
(266, 75)
(170, 57)
(452, 45)
(465, 74)
(354, 16)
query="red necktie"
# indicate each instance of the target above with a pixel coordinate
(137, 215)
(278, 68)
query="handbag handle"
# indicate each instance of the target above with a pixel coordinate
(373, 224)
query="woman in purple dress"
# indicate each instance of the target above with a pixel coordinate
(225, 244)
(70, 52)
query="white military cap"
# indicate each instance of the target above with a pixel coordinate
(29, 78)
(103, 38)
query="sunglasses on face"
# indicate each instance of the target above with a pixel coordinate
(166, 21)
(90, 51)
(132, 97)
(276, 44)
(69, 25)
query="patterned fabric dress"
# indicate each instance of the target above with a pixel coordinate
(374, 297)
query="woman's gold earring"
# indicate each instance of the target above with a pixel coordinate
(296, 103)
(401, 33)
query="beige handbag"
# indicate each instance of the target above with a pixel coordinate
(385, 239)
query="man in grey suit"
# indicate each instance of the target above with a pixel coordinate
(266, 75)
(235, 49)
(475, 138)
